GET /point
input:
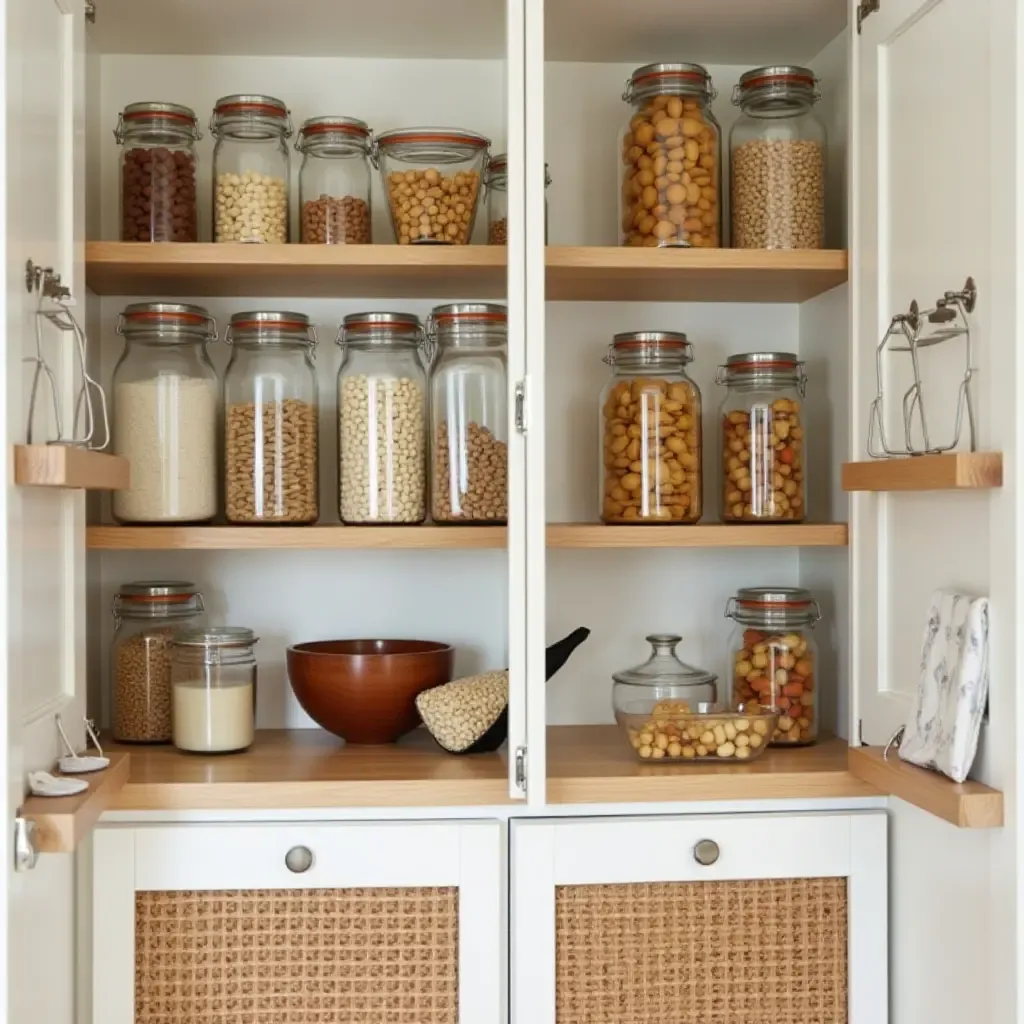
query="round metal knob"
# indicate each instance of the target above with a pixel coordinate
(706, 852)
(299, 859)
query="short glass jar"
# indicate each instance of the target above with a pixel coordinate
(650, 431)
(777, 155)
(773, 658)
(671, 159)
(469, 413)
(432, 178)
(334, 181)
(762, 438)
(250, 169)
(270, 419)
(382, 413)
(213, 680)
(147, 616)
(166, 405)
(496, 180)
(158, 172)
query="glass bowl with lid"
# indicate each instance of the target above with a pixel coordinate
(661, 680)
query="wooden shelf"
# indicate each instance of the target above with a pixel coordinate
(702, 535)
(966, 805)
(957, 471)
(57, 465)
(63, 822)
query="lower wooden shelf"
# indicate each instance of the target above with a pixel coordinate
(59, 465)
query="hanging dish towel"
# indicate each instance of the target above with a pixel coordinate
(952, 687)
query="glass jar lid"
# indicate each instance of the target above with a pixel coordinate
(333, 136)
(776, 368)
(250, 116)
(175, 323)
(664, 667)
(260, 327)
(773, 607)
(642, 348)
(497, 172)
(468, 323)
(677, 79)
(154, 118)
(439, 145)
(219, 637)
(777, 87)
(380, 329)
(153, 599)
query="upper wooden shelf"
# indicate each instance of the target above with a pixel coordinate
(955, 471)
(58, 465)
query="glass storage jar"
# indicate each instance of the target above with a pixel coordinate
(166, 399)
(762, 438)
(213, 679)
(382, 432)
(270, 419)
(147, 616)
(650, 431)
(158, 172)
(432, 179)
(469, 413)
(334, 181)
(777, 154)
(496, 180)
(671, 158)
(250, 169)
(773, 658)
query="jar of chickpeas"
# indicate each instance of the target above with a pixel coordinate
(671, 159)
(650, 431)
(763, 444)
(774, 659)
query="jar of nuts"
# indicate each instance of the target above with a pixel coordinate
(432, 178)
(147, 616)
(469, 413)
(774, 660)
(270, 420)
(777, 149)
(671, 158)
(158, 172)
(650, 432)
(250, 169)
(762, 440)
(382, 432)
(334, 182)
(496, 180)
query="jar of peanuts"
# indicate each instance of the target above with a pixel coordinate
(671, 158)
(773, 658)
(762, 439)
(650, 432)
(334, 181)
(496, 180)
(432, 178)
(777, 150)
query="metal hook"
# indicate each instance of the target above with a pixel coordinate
(894, 741)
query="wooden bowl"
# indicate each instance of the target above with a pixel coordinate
(365, 690)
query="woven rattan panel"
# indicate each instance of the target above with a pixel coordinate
(751, 952)
(305, 956)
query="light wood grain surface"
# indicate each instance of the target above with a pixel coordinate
(56, 465)
(700, 535)
(954, 471)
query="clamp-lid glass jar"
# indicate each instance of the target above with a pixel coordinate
(270, 419)
(496, 180)
(158, 172)
(650, 431)
(166, 398)
(762, 438)
(777, 149)
(250, 168)
(773, 658)
(382, 407)
(334, 181)
(671, 158)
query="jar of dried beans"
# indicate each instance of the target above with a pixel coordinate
(773, 658)
(650, 432)
(496, 180)
(762, 438)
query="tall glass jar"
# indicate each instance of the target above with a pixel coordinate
(382, 408)
(762, 438)
(147, 616)
(166, 403)
(270, 419)
(158, 172)
(250, 169)
(671, 159)
(432, 178)
(650, 432)
(777, 149)
(496, 180)
(773, 658)
(213, 680)
(334, 182)
(469, 413)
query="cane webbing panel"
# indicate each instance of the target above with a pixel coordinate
(750, 952)
(305, 956)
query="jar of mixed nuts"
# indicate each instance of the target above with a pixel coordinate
(496, 181)
(671, 158)
(762, 438)
(650, 431)
(270, 419)
(147, 616)
(773, 658)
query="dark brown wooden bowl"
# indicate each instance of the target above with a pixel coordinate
(365, 690)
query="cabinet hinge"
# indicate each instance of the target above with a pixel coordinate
(864, 9)
(860, 732)
(521, 406)
(90, 11)
(521, 769)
